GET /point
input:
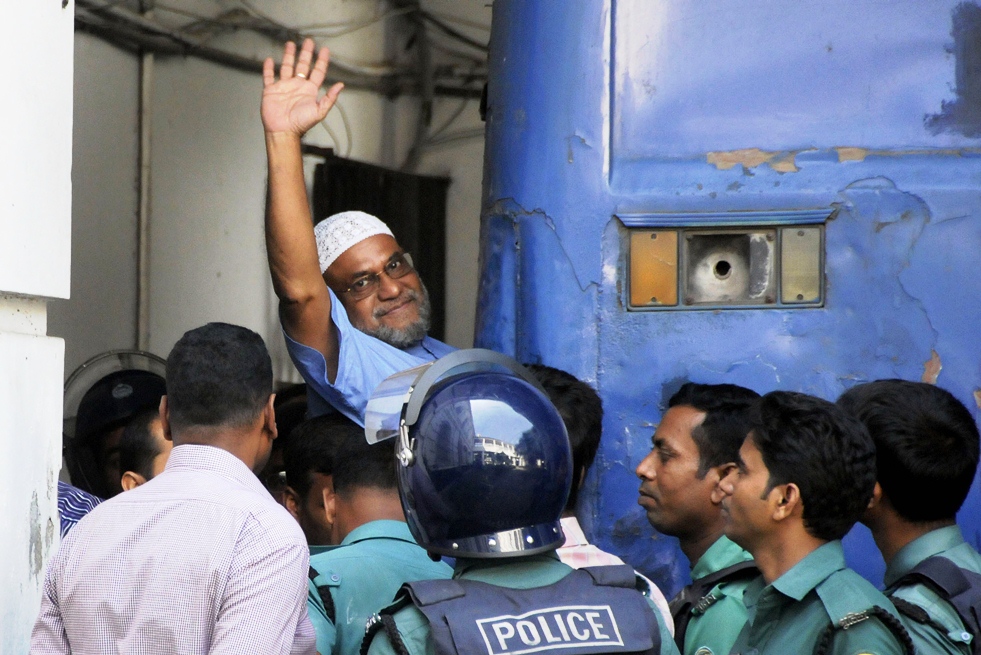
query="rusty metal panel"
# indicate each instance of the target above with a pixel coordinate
(801, 272)
(653, 268)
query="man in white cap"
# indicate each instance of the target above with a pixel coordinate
(380, 327)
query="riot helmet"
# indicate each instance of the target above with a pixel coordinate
(484, 464)
(101, 396)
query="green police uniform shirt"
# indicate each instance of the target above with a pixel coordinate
(789, 616)
(363, 575)
(519, 573)
(949, 543)
(713, 630)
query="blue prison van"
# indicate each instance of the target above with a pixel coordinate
(780, 195)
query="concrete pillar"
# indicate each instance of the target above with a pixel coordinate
(35, 249)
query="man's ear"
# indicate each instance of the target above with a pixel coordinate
(786, 501)
(269, 417)
(876, 498)
(330, 501)
(291, 500)
(165, 419)
(131, 480)
(716, 474)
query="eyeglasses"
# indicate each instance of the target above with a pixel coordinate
(399, 265)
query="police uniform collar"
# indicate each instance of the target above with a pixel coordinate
(380, 529)
(811, 571)
(487, 570)
(928, 545)
(721, 554)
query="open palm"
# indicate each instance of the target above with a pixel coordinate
(291, 104)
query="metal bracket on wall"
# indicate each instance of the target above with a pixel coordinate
(726, 260)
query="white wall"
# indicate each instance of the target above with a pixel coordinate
(35, 241)
(101, 314)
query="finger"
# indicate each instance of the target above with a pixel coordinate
(328, 100)
(268, 71)
(289, 58)
(319, 71)
(305, 58)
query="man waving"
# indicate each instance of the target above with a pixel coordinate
(352, 306)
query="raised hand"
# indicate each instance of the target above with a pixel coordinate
(291, 104)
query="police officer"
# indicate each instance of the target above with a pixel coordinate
(695, 445)
(376, 552)
(484, 472)
(805, 476)
(926, 445)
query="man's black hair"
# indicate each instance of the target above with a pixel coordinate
(726, 423)
(582, 412)
(822, 449)
(291, 409)
(312, 448)
(138, 446)
(926, 442)
(359, 464)
(218, 375)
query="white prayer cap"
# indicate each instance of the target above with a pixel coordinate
(335, 234)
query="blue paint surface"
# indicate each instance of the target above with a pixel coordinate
(599, 109)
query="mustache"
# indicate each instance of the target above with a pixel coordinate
(408, 295)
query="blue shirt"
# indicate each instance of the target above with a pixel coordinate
(362, 575)
(363, 361)
(73, 504)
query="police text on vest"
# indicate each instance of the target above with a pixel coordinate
(554, 628)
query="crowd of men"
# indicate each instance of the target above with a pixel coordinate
(461, 535)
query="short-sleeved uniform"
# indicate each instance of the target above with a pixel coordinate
(949, 543)
(519, 573)
(714, 629)
(362, 363)
(362, 576)
(790, 614)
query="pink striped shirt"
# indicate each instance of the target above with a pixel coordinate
(198, 560)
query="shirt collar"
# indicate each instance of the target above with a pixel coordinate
(574, 536)
(811, 571)
(381, 529)
(422, 350)
(723, 553)
(196, 457)
(928, 545)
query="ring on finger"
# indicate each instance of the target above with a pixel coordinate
(301, 75)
